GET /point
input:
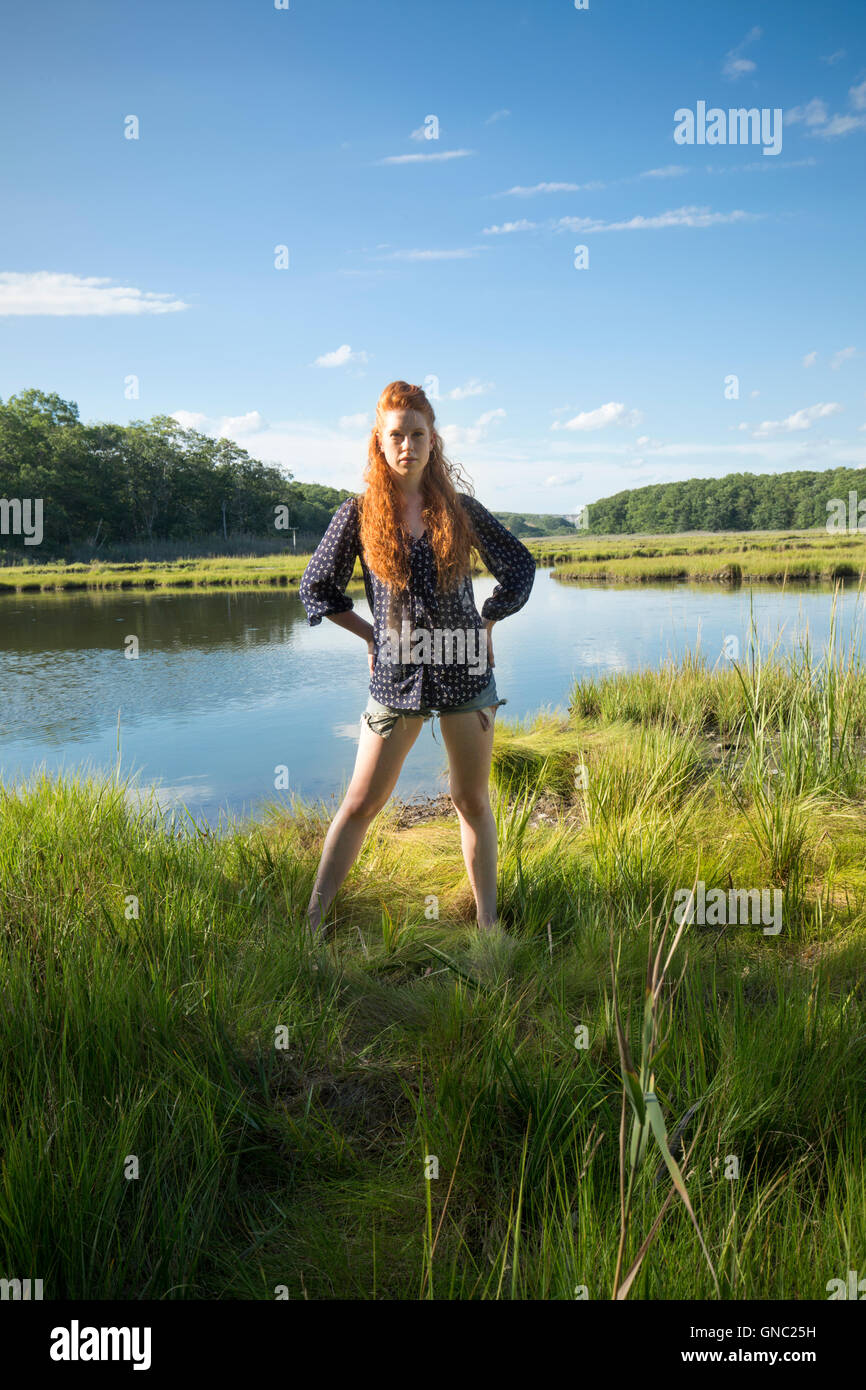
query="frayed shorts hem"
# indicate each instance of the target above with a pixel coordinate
(382, 719)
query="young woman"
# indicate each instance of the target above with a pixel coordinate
(428, 648)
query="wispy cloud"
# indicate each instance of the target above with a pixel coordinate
(800, 420)
(475, 387)
(568, 479)
(812, 114)
(436, 157)
(497, 116)
(843, 355)
(816, 117)
(530, 190)
(59, 295)
(735, 65)
(669, 171)
(339, 357)
(504, 228)
(692, 216)
(761, 166)
(455, 436)
(458, 253)
(810, 359)
(833, 58)
(613, 413)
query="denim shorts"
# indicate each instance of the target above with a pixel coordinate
(382, 718)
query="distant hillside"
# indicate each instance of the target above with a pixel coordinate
(523, 524)
(529, 524)
(736, 502)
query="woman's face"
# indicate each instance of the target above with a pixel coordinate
(406, 442)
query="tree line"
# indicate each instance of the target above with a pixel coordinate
(150, 480)
(736, 502)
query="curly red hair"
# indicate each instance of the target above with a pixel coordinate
(449, 528)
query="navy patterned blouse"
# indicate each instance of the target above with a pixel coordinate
(429, 648)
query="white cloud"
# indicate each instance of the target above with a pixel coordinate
(459, 253)
(613, 413)
(842, 125)
(563, 479)
(800, 420)
(735, 66)
(503, 228)
(497, 116)
(676, 217)
(754, 167)
(669, 171)
(472, 388)
(190, 419)
(313, 452)
(339, 357)
(455, 436)
(833, 58)
(221, 427)
(529, 190)
(233, 425)
(841, 356)
(353, 422)
(60, 295)
(692, 216)
(810, 359)
(436, 157)
(815, 115)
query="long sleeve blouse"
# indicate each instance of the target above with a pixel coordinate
(409, 670)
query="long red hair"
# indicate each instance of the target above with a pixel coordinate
(449, 528)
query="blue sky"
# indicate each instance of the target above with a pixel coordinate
(449, 258)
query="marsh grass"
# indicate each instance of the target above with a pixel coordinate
(244, 562)
(415, 1036)
(732, 558)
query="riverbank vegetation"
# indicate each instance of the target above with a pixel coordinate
(195, 1103)
(786, 557)
(773, 557)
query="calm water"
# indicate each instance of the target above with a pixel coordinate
(228, 686)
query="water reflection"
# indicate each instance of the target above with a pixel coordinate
(230, 686)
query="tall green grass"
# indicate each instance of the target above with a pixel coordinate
(156, 1031)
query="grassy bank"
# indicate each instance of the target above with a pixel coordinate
(770, 557)
(238, 572)
(158, 999)
(198, 572)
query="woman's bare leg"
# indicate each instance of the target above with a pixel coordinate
(377, 767)
(470, 749)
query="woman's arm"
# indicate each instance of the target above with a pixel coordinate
(506, 557)
(322, 589)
